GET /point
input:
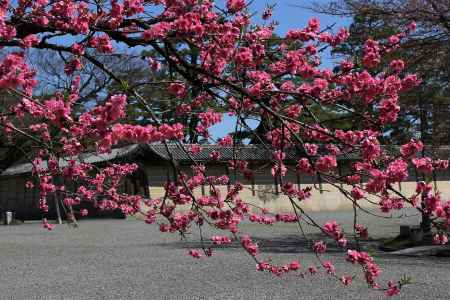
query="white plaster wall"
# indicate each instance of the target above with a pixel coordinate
(264, 192)
(329, 200)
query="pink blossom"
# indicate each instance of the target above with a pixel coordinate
(346, 66)
(340, 37)
(294, 111)
(262, 219)
(47, 225)
(249, 245)
(333, 229)
(214, 155)
(371, 53)
(410, 81)
(220, 240)
(226, 141)
(397, 170)
(244, 56)
(357, 193)
(312, 270)
(394, 39)
(326, 163)
(320, 247)
(389, 203)
(303, 165)
(440, 164)
(102, 43)
(432, 201)
(389, 110)
(353, 179)
(362, 231)
(397, 65)
(157, 31)
(177, 89)
(195, 148)
(410, 149)
(77, 49)
(311, 149)
(210, 118)
(294, 265)
(392, 290)
(370, 149)
(346, 280)
(412, 26)
(262, 266)
(372, 272)
(286, 218)
(329, 267)
(342, 242)
(352, 256)
(235, 5)
(440, 239)
(29, 185)
(194, 253)
(314, 24)
(424, 164)
(29, 41)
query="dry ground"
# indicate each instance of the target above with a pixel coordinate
(127, 259)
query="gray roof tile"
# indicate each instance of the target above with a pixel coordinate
(241, 152)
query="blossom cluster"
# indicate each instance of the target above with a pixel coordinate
(236, 67)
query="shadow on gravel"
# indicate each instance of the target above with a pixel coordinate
(280, 244)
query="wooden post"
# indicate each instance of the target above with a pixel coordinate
(319, 179)
(56, 199)
(275, 178)
(299, 185)
(58, 211)
(339, 167)
(227, 172)
(252, 181)
(253, 186)
(435, 181)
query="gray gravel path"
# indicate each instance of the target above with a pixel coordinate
(127, 259)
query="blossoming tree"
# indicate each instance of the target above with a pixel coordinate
(233, 65)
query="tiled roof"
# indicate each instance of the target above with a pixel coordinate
(241, 152)
(86, 158)
(258, 152)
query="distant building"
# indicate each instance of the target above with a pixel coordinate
(156, 167)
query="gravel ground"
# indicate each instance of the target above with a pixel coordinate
(127, 259)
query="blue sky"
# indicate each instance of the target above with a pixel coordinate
(288, 16)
